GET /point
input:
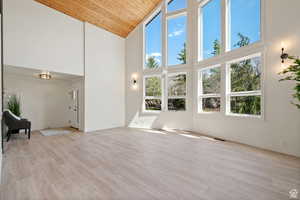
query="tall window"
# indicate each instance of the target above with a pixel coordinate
(241, 27)
(217, 35)
(152, 93)
(210, 34)
(244, 86)
(243, 23)
(171, 82)
(174, 5)
(153, 42)
(177, 40)
(177, 92)
(210, 89)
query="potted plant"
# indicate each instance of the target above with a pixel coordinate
(292, 73)
(14, 105)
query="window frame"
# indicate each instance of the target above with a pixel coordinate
(153, 97)
(155, 13)
(177, 97)
(170, 16)
(202, 96)
(194, 64)
(164, 69)
(229, 94)
(225, 33)
(175, 11)
(200, 49)
(227, 27)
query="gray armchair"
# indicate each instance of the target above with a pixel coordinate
(15, 124)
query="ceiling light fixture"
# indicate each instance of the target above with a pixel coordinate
(45, 75)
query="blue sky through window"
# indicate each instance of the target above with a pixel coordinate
(211, 13)
(153, 40)
(245, 19)
(176, 39)
(175, 5)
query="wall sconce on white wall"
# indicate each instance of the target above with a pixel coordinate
(134, 81)
(283, 55)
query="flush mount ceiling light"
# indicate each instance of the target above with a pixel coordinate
(45, 75)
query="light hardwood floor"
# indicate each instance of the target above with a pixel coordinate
(129, 164)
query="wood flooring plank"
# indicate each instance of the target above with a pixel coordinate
(129, 164)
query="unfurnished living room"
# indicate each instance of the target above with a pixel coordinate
(150, 99)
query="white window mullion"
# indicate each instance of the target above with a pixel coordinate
(226, 26)
(164, 55)
(146, 97)
(200, 32)
(245, 94)
(210, 96)
(176, 97)
(228, 88)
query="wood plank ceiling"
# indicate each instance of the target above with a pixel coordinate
(117, 16)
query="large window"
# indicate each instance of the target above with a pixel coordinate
(177, 40)
(210, 89)
(153, 43)
(243, 23)
(244, 86)
(177, 92)
(224, 27)
(174, 5)
(152, 93)
(210, 30)
(171, 84)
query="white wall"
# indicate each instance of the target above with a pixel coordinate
(44, 103)
(36, 36)
(104, 79)
(280, 129)
(39, 37)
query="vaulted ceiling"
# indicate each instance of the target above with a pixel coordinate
(117, 16)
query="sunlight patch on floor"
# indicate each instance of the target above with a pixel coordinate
(197, 137)
(154, 131)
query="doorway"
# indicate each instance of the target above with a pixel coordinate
(74, 108)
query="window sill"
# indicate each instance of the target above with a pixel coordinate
(159, 112)
(153, 70)
(258, 117)
(209, 113)
(176, 111)
(149, 112)
(231, 54)
(179, 66)
(256, 44)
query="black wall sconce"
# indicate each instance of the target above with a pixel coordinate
(283, 55)
(134, 81)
